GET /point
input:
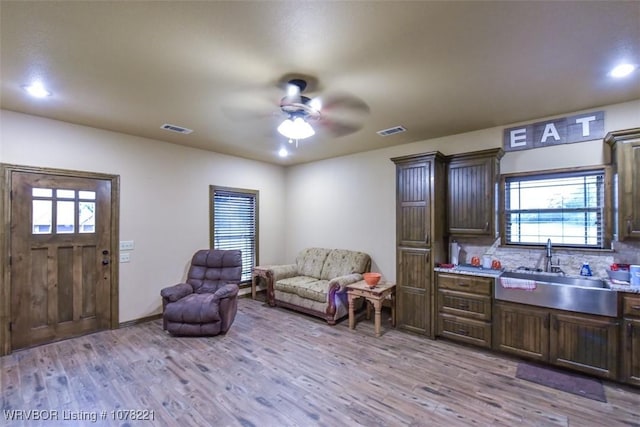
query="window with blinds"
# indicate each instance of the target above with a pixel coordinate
(567, 208)
(234, 224)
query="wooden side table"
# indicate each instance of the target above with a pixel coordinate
(257, 272)
(376, 296)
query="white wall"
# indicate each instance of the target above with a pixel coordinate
(164, 198)
(349, 202)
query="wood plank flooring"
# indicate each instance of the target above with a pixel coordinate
(280, 368)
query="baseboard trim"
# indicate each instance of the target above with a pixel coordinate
(141, 320)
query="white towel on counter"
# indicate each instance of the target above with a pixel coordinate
(512, 283)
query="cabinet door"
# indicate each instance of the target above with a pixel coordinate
(629, 182)
(472, 207)
(521, 330)
(414, 310)
(585, 343)
(413, 203)
(631, 351)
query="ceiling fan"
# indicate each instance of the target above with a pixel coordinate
(334, 114)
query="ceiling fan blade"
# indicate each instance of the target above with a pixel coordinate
(336, 129)
(254, 104)
(344, 101)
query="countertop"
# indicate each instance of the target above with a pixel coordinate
(486, 272)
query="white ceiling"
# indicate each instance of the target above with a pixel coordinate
(436, 68)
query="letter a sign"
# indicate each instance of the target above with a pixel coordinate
(565, 130)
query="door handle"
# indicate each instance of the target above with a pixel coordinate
(105, 262)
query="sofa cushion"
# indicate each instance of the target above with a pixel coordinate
(311, 260)
(341, 262)
(305, 287)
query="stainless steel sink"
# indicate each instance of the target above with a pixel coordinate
(558, 279)
(579, 294)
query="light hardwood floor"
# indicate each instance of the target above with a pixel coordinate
(280, 368)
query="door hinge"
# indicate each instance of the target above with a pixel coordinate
(10, 326)
(10, 194)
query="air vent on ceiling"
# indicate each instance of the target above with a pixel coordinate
(174, 128)
(391, 131)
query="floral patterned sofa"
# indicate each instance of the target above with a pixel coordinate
(316, 283)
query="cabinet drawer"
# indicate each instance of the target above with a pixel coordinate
(631, 305)
(466, 330)
(471, 284)
(464, 304)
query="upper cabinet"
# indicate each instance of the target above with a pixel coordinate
(625, 155)
(472, 199)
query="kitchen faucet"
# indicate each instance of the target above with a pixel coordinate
(548, 266)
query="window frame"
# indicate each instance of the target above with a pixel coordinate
(241, 192)
(607, 208)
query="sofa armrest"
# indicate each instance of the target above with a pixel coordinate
(340, 283)
(279, 272)
(175, 292)
(226, 291)
(273, 273)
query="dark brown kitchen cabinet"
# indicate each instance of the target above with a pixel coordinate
(472, 192)
(585, 343)
(413, 296)
(521, 330)
(631, 339)
(582, 342)
(625, 155)
(420, 241)
(464, 308)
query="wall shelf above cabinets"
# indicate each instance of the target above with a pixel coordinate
(472, 199)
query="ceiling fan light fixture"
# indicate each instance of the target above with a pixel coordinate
(297, 128)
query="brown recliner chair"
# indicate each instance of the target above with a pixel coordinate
(207, 303)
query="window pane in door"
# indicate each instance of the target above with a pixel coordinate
(87, 195)
(87, 220)
(65, 194)
(65, 218)
(42, 217)
(41, 192)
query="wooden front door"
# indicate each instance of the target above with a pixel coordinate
(60, 248)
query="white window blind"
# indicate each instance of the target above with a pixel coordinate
(235, 226)
(567, 208)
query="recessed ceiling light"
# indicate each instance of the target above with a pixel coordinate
(37, 90)
(283, 152)
(622, 70)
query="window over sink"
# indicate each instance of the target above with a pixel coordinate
(567, 207)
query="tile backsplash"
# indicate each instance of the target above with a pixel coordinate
(570, 260)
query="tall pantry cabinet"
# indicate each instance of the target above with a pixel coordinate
(420, 238)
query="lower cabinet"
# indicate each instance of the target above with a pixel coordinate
(521, 330)
(585, 343)
(464, 308)
(581, 342)
(631, 339)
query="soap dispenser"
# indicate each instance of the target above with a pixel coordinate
(585, 270)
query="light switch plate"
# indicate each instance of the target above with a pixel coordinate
(125, 257)
(126, 245)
